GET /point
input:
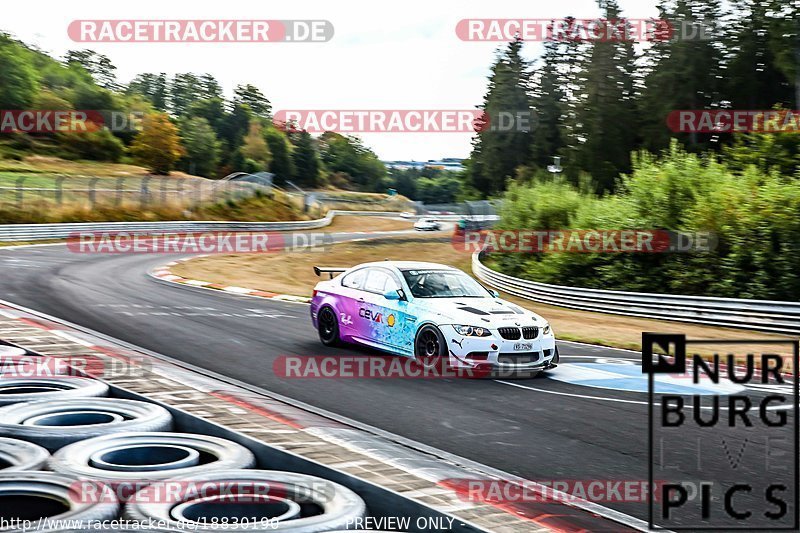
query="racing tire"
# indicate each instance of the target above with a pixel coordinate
(132, 456)
(328, 327)
(19, 456)
(430, 348)
(302, 504)
(20, 389)
(45, 495)
(54, 425)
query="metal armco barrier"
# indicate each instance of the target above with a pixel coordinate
(760, 315)
(40, 232)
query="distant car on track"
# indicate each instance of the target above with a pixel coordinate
(427, 224)
(433, 313)
(406, 214)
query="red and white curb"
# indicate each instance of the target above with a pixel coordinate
(164, 273)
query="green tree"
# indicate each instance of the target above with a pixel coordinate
(548, 101)
(255, 147)
(348, 155)
(233, 126)
(605, 115)
(211, 109)
(184, 90)
(785, 42)
(19, 83)
(209, 87)
(252, 97)
(153, 87)
(684, 73)
(753, 78)
(497, 150)
(282, 164)
(99, 66)
(306, 160)
(201, 147)
(158, 145)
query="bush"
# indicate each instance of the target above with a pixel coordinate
(100, 145)
(752, 213)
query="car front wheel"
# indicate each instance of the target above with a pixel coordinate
(430, 348)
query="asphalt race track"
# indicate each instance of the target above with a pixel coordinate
(547, 428)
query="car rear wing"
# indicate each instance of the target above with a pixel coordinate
(332, 271)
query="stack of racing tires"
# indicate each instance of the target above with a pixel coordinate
(72, 459)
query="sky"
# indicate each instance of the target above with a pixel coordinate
(384, 55)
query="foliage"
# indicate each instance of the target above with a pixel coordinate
(98, 145)
(305, 158)
(158, 145)
(18, 80)
(282, 164)
(752, 214)
(255, 148)
(348, 155)
(201, 145)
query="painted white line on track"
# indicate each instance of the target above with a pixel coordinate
(570, 394)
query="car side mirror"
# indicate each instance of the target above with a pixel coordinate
(392, 295)
(494, 293)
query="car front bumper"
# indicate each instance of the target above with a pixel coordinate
(499, 357)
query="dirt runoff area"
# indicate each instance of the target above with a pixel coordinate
(293, 273)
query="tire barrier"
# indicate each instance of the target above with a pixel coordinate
(54, 425)
(20, 389)
(132, 457)
(18, 455)
(251, 500)
(44, 495)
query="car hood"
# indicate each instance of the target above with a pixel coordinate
(487, 312)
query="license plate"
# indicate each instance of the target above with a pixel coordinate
(523, 346)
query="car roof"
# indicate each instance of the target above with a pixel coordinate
(408, 265)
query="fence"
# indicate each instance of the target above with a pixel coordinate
(147, 190)
(37, 232)
(760, 315)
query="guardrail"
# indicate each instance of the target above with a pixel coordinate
(761, 315)
(40, 232)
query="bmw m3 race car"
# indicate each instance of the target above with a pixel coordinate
(432, 313)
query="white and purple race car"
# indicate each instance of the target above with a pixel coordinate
(432, 313)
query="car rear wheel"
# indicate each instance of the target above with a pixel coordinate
(328, 327)
(430, 348)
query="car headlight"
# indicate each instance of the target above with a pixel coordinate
(546, 329)
(472, 331)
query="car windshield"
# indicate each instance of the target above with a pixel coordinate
(443, 284)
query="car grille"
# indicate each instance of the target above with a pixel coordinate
(511, 334)
(518, 358)
(530, 332)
